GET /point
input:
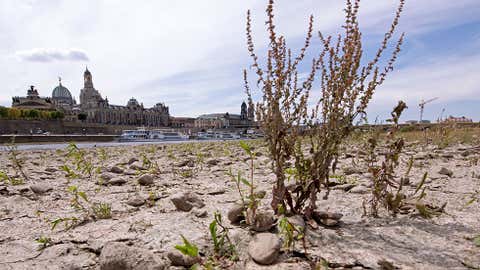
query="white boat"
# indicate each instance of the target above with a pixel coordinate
(143, 135)
(213, 135)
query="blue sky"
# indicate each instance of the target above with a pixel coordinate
(190, 54)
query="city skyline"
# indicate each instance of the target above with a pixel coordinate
(191, 55)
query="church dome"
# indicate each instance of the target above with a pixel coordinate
(133, 103)
(61, 92)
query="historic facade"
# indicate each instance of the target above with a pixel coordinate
(33, 101)
(98, 109)
(93, 108)
(245, 119)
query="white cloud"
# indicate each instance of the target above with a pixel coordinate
(50, 55)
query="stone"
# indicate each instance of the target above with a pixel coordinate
(117, 181)
(200, 213)
(116, 169)
(264, 248)
(51, 169)
(179, 259)
(119, 256)
(145, 180)
(235, 213)
(136, 201)
(186, 201)
(297, 221)
(217, 191)
(40, 188)
(446, 172)
(136, 167)
(351, 170)
(264, 221)
(186, 162)
(213, 162)
(106, 176)
(327, 218)
(132, 160)
(359, 189)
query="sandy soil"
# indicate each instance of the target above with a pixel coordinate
(153, 228)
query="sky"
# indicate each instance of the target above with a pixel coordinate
(190, 54)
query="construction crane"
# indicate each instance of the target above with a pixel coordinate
(422, 106)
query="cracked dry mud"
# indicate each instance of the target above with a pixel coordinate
(152, 227)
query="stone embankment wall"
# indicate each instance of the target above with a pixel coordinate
(56, 138)
(58, 127)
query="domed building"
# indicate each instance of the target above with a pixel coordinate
(98, 110)
(61, 95)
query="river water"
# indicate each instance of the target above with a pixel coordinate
(54, 146)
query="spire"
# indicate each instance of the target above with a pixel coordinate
(59, 80)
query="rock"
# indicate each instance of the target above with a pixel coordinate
(186, 162)
(136, 201)
(179, 259)
(351, 170)
(359, 189)
(106, 176)
(264, 248)
(118, 256)
(327, 218)
(297, 221)
(132, 160)
(217, 192)
(186, 201)
(200, 213)
(137, 167)
(40, 188)
(116, 169)
(145, 180)
(213, 162)
(446, 171)
(51, 169)
(117, 181)
(264, 221)
(235, 214)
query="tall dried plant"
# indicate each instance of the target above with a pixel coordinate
(285, 110)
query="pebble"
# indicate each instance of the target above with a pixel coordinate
(117, 181)
(136, 201)
(446, 171)
(264, 248)
(186, 201)
(116, 169)
(264, 221)
(145, 180)
(40, 188)
(119, 256)
(179, 259)
(235, 213)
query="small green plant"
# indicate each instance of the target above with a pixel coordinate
(10, 180)
(290, 233)
(189, 249)
(82, 162)
(102, 210)
(252, 200)
(44, 242)
(222, 245)
(17, 162)
(79, 201)
(384, 183)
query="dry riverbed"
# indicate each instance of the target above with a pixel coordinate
(141, 184)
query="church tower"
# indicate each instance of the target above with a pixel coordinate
(89, 96)
(251, 111)
(87, 79)
(243, 111)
